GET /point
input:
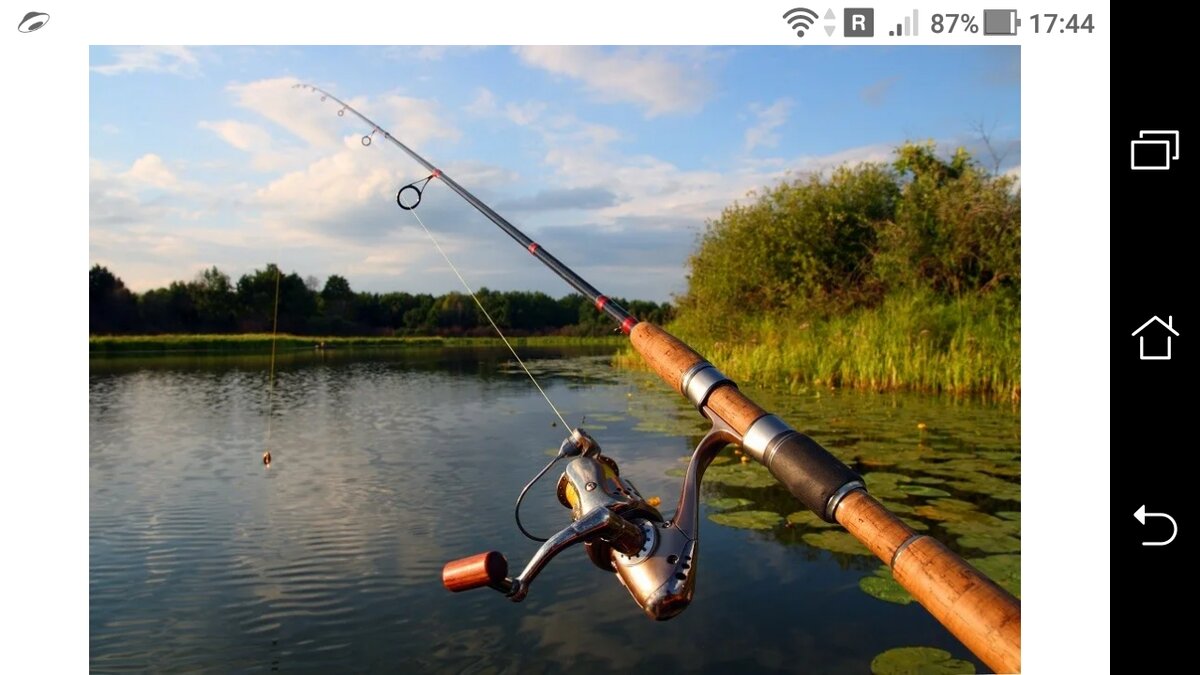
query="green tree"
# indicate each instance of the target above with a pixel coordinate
(957, 227)
(112, 308)
(168, 310)
(256, 298)
(338, 304)
(805, 245)
(214, 300)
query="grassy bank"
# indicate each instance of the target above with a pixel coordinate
(886, 277)
(969, 346)
(261, 342)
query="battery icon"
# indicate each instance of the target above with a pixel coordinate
(1000, 22)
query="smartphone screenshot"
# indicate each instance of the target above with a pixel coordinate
(536, 337)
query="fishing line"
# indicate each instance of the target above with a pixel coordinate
(488, 315)
(266, 458)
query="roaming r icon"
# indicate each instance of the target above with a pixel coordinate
(858, 22)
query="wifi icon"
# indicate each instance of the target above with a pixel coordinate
(800, 19)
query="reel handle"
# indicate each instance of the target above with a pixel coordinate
(477, 571)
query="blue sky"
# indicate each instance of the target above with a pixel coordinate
(612, 158)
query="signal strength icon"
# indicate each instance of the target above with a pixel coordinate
(909, 27)
(800, 19)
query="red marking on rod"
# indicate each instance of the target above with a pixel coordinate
(436, 173)
(628, 324)
(533, 247)
(600, 302)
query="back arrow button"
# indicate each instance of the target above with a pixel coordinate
(1141, 515)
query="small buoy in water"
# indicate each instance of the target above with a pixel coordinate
(654, 501)
(745, 459)
(267, 458)
(921, 426)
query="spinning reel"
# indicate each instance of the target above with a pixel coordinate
(653, 557)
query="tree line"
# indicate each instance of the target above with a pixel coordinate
(213, 303)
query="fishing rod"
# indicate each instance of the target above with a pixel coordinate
(655, 557)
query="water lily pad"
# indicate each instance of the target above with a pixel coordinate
(1010, 515)
(995, 487)
(915, 524)
(951, 504)
(969, 466)
(881, 585)
(947, 509)
(808, 519)
(919, 661)
(726, 503)
(923, 491)
(835, 541)
(740, 475)
(929, 480)
(747, 520)
(1002, 456)
(1005, 570)
(653, 417)
(991, 544)
(719, 459)
(898, 507)
(884, 485)
(875, 461)
(983, 525)
(881, 477)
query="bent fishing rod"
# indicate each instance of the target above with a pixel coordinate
(654, 556)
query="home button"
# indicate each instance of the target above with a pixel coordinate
(1158, 333)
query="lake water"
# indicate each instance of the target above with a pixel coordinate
(387, 464)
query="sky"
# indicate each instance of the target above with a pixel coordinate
(613, 159)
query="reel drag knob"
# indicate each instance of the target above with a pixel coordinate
(484, 569)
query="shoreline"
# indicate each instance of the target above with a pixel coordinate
(260, 343)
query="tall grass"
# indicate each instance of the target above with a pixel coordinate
(915, 341)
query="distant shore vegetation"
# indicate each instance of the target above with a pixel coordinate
(261, 343)
(213, 304)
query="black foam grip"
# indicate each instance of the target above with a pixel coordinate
(808, 470)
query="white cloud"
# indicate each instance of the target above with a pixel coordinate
(306, 116)
(313, 123)
(332, 184)
(524, 114)
(767, 120)
(484, 103)
(299, 111)
(418, 119)
(649, 79)
(265, 154)
(170, 60)
(150, 170)
(241, 135)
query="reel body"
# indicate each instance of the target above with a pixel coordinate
(653, 557)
